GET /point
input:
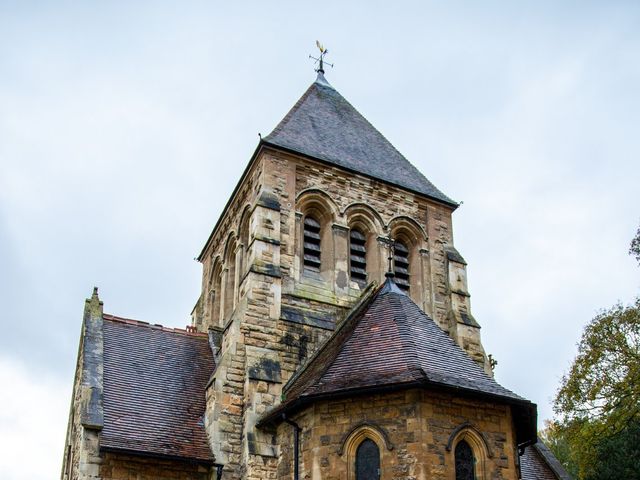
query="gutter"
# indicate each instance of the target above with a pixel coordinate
(161, 456)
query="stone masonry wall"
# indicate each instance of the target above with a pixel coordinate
(81, 456)
(411, 428)
(280, 313)
(126, 467)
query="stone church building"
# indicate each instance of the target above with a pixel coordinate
(333, 337)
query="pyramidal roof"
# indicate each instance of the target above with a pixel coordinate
(392, 341)
(389, 342)
(323, 125)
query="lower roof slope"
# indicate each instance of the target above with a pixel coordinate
(390, 342)
(539, 463)
(154, 390)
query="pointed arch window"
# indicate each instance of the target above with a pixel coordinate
(358, 256)
(311, 244)
(465, 461)
(401, 265)
(368, 461)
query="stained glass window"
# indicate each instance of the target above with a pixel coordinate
(465, 462)
(368, 461)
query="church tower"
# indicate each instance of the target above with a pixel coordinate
(332, 338)
(303, 240)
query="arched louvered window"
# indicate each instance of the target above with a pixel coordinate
(465, 462)
(401, 265)
(358, 256)
(311, 244)
(368, 461)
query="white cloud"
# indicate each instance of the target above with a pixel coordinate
(33, 419)
(123, 130)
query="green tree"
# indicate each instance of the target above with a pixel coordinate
(634, 250)
(556, 437)
(618, 456)
(604, 381)
(597, 405)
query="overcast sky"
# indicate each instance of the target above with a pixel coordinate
(124, 127)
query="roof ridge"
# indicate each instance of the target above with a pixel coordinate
(156, 326)
(408, 338)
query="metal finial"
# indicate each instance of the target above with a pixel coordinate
(390, 243)
(320, 60)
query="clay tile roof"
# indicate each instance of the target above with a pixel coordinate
(539, 463)
(391, 341)
(154, 389)
(388, 342)
(323, 125)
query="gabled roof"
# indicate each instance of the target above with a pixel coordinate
(323, 125)
(390, 342)
(154, 390)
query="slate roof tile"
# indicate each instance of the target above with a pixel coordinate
(388, 342)
(539, 463)
(154, 389)
(323, 125)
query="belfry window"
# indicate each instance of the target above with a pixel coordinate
(311, 244)
(401, 265)
(465, 462)
(358, 256)
(368, 461)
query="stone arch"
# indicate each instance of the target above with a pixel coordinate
(366, 215)
(367, 221)
(410, 233)
(244, 238)
(478, 443)
(229, 241)
(408, 227)
(316, 204)
(216, 260)
(315, 198)
(214, 292)
(352, 440)
(230, 286)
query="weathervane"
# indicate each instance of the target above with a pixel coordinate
(320, 59)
